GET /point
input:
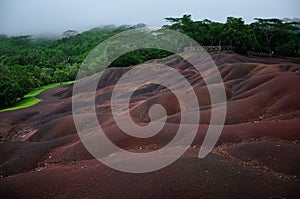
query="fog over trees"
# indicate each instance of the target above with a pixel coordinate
(28, 62)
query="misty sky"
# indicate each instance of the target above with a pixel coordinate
(55, 16)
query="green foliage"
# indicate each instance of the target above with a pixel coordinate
(139, 56)
(13, 85)
(30, 99)
(27, 62)
(60, 75)
(263, 35)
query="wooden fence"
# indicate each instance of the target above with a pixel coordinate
(260, 54)
(207, 48)
(223, 48)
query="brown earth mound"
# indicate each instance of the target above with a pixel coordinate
(256, 156)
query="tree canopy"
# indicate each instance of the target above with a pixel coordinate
(263, 35)
(28, 62)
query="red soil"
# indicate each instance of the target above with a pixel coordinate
(257, 155)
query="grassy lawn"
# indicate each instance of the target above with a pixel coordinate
(30, 99)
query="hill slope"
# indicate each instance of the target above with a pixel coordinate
(257, 155)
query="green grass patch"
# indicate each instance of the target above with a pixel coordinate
(30, 99)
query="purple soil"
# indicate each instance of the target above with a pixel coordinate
(257, 155)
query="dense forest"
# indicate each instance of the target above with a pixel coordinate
(28, 62)
(263, 35)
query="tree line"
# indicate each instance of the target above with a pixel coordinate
(282, 38)
(28, 62)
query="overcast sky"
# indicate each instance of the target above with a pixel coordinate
(55, 16)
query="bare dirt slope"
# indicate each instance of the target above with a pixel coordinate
(257, 155)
